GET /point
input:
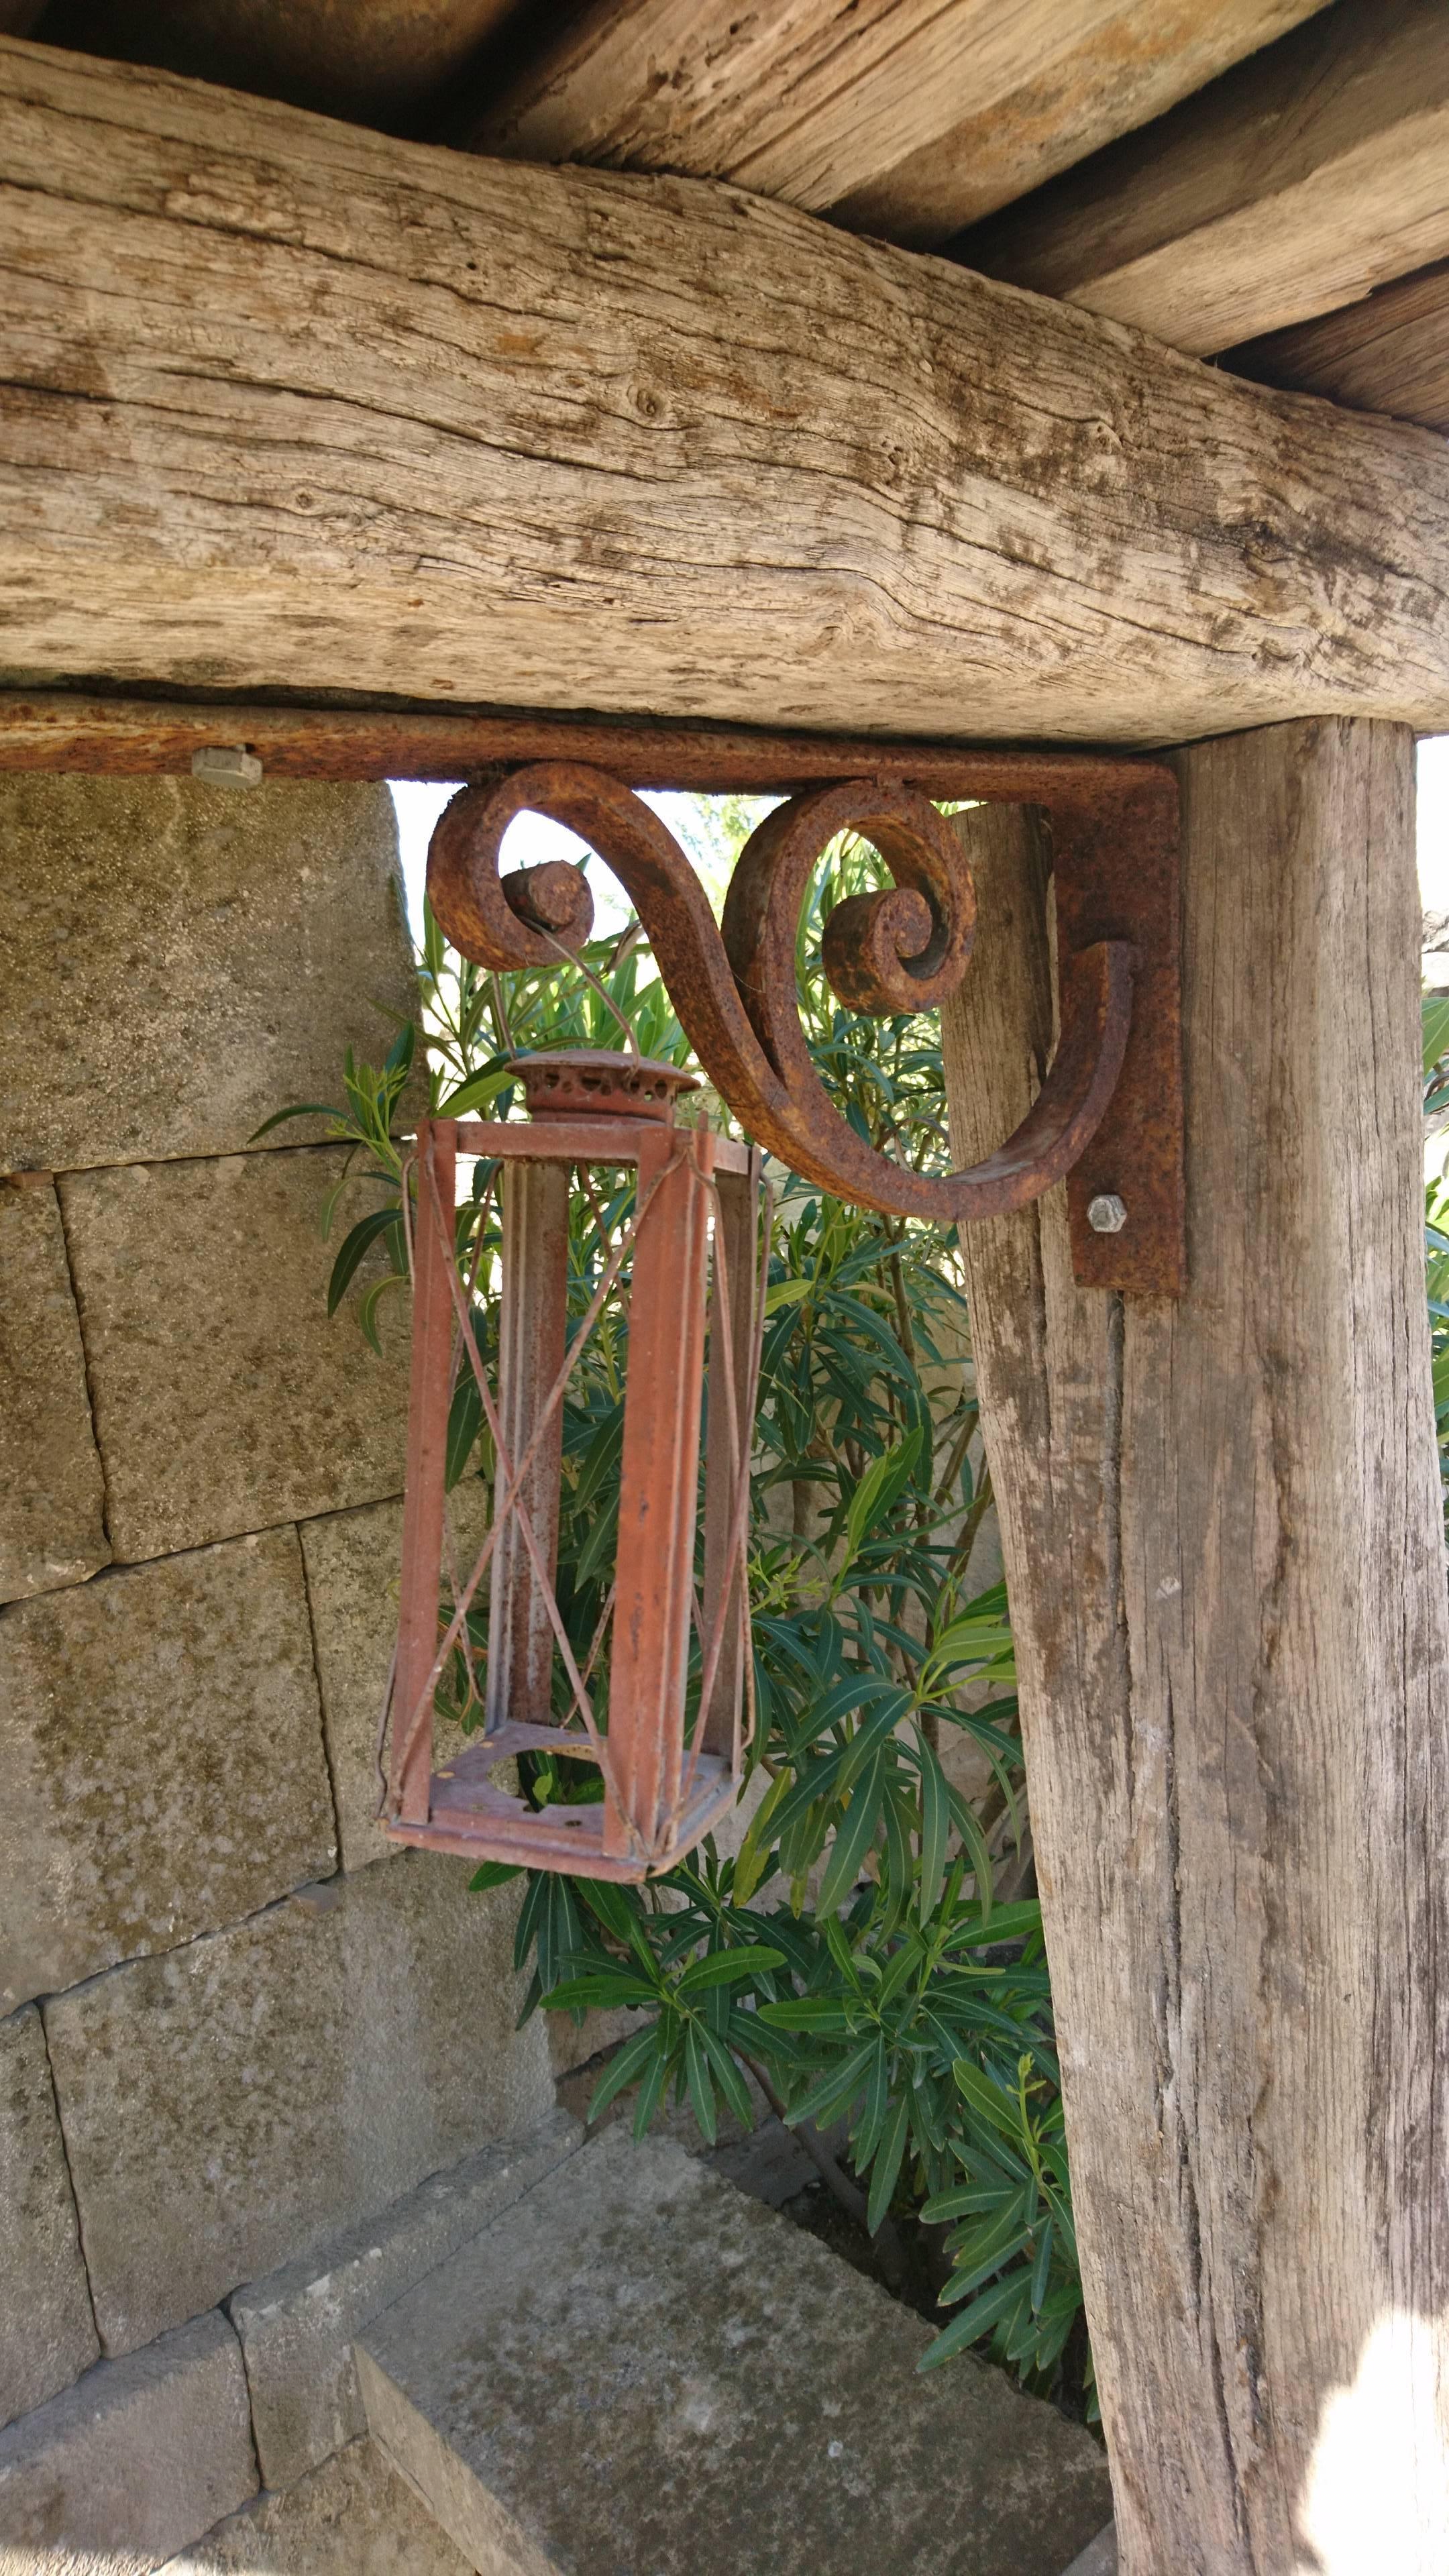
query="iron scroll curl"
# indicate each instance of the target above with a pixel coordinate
(906, 947)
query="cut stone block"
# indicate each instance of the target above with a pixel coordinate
(138, 2458)
(352, 2517)
(638, 2368)
(47, 2332)
(225, 1399)
(354, 1565)
(52, 1498)
(179, 961)
(297, 2327)
(231, 2105)
(161, 1759)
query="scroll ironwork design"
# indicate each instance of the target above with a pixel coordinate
(905, 947)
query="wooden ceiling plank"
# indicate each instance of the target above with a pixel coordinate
(291, 406)
(1389, 353)
(1046, 86)
(910, 118)
(1295, 184)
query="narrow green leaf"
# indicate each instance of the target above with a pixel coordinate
(935, 1827)
(299, 1109)
(728, 1968)
(731, 2082)
(701, 2090)
(853, 1839)
(354, 1249)
(971, 2324)
(623, 2070)
(887, 2166)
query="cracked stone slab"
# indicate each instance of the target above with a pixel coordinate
(225, 1398)
(640, 2368)
(141, 2456)
(52, 1496)
(181, 960)
(47, 2332)
(161, 1761)
(353, 2516)
(231, 2105)
(297, 2327)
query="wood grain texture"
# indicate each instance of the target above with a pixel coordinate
(289, 405)
(1293, 185)
(1389, 353)
(909, 117)
(1221, 1529)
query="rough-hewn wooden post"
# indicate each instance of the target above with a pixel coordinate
(1222, 1538)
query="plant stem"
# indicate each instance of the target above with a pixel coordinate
(890, 2252)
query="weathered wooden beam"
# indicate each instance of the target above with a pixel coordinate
(909, 119)
(292, 406)
(1222, 1533)
(1294, 184)
(1388, 353)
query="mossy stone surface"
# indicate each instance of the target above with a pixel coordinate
(180, 960)
(639, 2368)
(47, 2332)
(234, 2103)
(225, 1398)
(353, 2516)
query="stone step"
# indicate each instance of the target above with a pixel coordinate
(637, 2371)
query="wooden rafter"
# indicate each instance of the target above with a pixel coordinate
(1388, 353)
(1295, 184)
(290, 405)
(909, 118)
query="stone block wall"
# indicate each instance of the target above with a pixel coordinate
(235, 2026)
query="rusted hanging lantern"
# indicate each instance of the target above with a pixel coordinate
(1107, 1119)
(687, 1261)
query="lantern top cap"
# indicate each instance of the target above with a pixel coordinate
(582, 1082)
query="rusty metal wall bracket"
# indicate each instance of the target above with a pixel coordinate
(1108, 1118)
(1113, 822)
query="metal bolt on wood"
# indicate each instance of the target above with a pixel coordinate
(1106, 1214)
(226, 764)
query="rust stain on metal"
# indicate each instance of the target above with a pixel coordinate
(137, 737)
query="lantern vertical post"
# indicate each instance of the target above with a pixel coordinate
(727, 1440)
(532, 1332)
(659, 1470)
(423, 1503)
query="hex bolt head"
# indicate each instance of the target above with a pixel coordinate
(1107, 1214)
(226, 764)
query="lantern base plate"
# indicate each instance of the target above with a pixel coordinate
(469, 1816)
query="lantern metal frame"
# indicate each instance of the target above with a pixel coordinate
(693, 1285)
